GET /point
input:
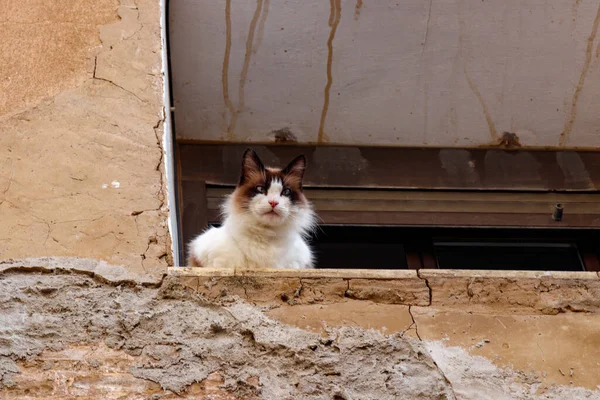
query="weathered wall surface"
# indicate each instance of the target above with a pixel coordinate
(81, 113)
(541, 326)
(404, 73)
(132, 337)
(122, 339)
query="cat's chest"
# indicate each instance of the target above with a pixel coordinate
(262, 251)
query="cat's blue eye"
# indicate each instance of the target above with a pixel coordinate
(286, 192)
(260, 189)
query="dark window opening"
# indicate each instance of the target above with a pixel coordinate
(386, 247)
(508, 256)
(355, 247)
(403, 209)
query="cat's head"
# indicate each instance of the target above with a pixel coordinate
(271, 196)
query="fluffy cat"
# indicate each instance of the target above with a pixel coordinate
(267, 219)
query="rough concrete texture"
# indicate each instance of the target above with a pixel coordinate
(81, 165)
(83, 329)
(175, 338)
(552, 350)
(537, 322)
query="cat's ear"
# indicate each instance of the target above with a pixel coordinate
(295, 169)
(251, 165)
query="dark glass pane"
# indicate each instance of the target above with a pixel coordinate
(508, 256)
(359, 247)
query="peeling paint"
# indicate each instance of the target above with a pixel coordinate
(564, 135)
(334, 19)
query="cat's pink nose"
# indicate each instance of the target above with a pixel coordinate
(273, 203)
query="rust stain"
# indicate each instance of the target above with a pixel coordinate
(225, 73)
(284, 135)
(359, 4)
(564, 135)
(249, 41)
(331, 12)
(334, 20)
(509, 140)
(261, 25)
(486, 113)
(245, 67)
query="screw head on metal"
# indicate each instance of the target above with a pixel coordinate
(558, 212)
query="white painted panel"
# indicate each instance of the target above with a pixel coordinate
(454, 73)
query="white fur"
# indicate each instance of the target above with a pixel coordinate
(254, 239)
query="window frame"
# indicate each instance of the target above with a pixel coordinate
(208, 168)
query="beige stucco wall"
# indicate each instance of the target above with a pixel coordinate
(81, 124)
(402, 73)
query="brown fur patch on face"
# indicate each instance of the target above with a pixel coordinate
(255, 175)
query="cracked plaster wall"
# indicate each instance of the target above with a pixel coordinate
(154, 337)
(81, 122)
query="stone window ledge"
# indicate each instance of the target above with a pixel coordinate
(506, 291)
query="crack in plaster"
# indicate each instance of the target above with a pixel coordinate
(137, 18)
(414, 323)
(110, 35)
(113, 83)
(469, 291)
(418, 271)
(160, 195)
(35, 216)
(300, 289)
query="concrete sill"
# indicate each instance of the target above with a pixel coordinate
(511, 291)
